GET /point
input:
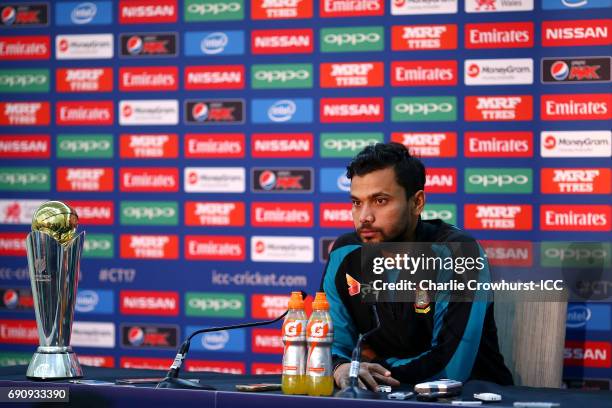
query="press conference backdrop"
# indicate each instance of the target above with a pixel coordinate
(204, 143)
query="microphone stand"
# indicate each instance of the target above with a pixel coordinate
(353, 390)
(172, 379)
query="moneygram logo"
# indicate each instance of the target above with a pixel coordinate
(498, 216)
(213, 10)
(18, 211)
(498, 6)
(25, 113)
(83, 13)
(346, 144)
(352, 39)
(498, 181)
(215, 248)
(24, 15)
(351, 8)
(576, 107)
(439, 144)
(285, 41)
(582, 217)
(148, 79)
(214, 179)
(509, 253)
(421, 109)
(94, 212)
(148, 112)
(214, 77)
(282, 215)
(149, 246)
(576, 143)
(441, 180)
(424, 37)
(499, 35)
(576, 70)
(148, 45)
(214, 145)
(93, 334)
(498, 144)
(279, 145)
(27, 47)
(210, 213)
(149, 336)
(84, 79)
(25, 179)
(25, 146)
(571, 33)
(149, 303)
(210, 304)
(424, 73)
(518, 71)
(336, 215)
(84, 46)
(588, 354)
(281, 9)
(84, 113)
(576, 180)
(149, 213)
(343, 110)
(145, 146)
(282, 249)
(99, 246)
(148, 11)
(278, 76)
(498, 108)
(419, 7)
(85, 179)
(444, 212)
(296, 110)
(24, 80)
(207, 111)
(149, 179)
(95, 146)
(282, 180)
(351, 74)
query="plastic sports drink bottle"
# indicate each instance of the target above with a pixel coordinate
(294, 337)
(319, 335)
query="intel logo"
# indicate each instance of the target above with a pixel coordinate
(84, 13)
(87, 301)
(578, 316)
(214, 43)
(344, 183)
(574, 3)
(282, 111)
(215, 340)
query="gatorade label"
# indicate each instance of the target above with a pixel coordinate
(293, 330)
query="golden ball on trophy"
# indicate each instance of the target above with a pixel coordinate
(56, 219)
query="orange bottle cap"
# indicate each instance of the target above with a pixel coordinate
(320, 302)
(296, 301)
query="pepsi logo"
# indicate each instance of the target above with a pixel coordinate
(267, 180)
(559, 70)
(214, 43)
(9, 14)
(260, 247)
(10, 298)
(344, 183)
(473, 70)
(200, 112)
(63, 45)
(282, 111)
(136, 336)
(550, 142)
(135, 45)
(127, 111)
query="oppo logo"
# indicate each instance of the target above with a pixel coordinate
(23, 178)
(499, 180)
(282, 75)
(149, 212)
(84, 145)
(22, 80)
(213, 8)
(444, 215)
(424, 108)
(96, 245)
(348, 144)
(215, 304)
(352, 39)
(576, 254)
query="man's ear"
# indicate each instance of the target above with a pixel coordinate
(418, 202)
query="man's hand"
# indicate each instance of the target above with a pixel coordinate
(371, 374)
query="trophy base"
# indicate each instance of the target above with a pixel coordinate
(46, 365)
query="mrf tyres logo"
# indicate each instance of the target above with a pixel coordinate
(282, 180)
(576, 180)
(149, 246)
(498, 216)
(498, 108)
(424, 37)
(575, 70)
(436, 144)
(202, 112)
(148, 45)
(209, 213)
(352, 74)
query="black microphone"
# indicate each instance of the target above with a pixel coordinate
(353, 390)
(172, 379)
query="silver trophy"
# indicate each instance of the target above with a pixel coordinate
(54, 254)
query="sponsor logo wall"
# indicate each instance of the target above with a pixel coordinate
(203, 144)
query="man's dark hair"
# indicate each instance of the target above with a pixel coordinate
(409, 171)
